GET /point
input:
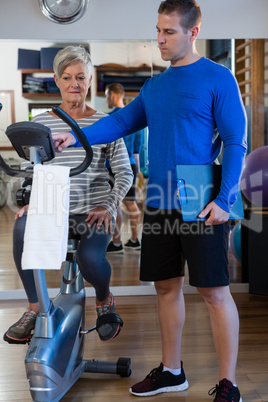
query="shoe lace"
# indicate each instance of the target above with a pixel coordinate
(105, 308)
(25, 319)
(222, 393)
(155, 372)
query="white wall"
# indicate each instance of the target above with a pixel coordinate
(131, 19)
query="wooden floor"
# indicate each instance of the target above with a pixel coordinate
(139, 339)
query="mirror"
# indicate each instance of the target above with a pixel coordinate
(131, 54)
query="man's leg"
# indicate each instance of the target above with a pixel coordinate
(169, 376)
(134, 218)
(116, 246)
(162, 261)
(118, 225)
(225, 328)
(171, 313)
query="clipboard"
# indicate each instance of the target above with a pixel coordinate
(198, 185)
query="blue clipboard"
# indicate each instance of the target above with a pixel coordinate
(198, 185)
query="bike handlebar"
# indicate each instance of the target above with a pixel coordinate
(81, 137)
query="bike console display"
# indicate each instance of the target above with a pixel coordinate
(25, 135)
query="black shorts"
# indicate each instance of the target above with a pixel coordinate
(167, 242)
(131, 194)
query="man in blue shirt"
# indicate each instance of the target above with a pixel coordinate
(182, 108)
(115, 100)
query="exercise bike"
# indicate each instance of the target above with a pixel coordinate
(54, 360)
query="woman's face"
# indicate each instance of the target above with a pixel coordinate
(74, 83)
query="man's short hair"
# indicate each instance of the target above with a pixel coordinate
(116, 88)
(189, 10)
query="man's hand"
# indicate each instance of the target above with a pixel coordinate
(63, 140)
(140, 179)
(217, 215)
(101, 216)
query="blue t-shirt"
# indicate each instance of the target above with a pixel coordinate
(132, 142)
(184, 108)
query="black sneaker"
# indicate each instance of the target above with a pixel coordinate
(130, 245)
(225, 391)
(108, 323)
(158, 381)
(21, 331)
(115, 249)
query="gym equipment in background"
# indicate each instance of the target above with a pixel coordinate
(254, 229)
(254, 179)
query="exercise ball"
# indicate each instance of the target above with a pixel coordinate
(254, 179)
(235, 241)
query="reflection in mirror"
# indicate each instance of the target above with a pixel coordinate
(248, 60)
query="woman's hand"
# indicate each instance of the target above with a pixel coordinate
(101, 216)
(21, 212)
(63, 140)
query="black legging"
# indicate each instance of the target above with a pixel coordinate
(90, 256)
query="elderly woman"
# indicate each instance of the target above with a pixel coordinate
(93, 203)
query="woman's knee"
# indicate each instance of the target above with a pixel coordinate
(92, 265)
(87, 260)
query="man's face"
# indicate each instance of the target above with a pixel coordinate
(109, 98)
(174, 43)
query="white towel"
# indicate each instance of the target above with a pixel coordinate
(46, 232)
